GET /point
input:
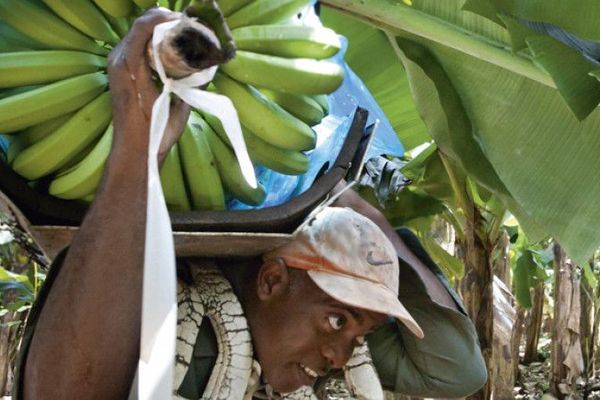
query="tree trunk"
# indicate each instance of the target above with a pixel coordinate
(4, 359)
(502, 360)
(594, 345)
(585, 326)
(517, 334)
(567, 360)
(534, 325)
(501, 267)
(477, 292)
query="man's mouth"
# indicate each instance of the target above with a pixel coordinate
(309, 371)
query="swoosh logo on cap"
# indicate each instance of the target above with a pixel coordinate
(371, 260)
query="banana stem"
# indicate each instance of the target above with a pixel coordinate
(188, 48)
(208, 11)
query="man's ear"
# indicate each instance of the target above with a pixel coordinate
(273, 279)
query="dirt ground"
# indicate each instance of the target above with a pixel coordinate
(533, 381)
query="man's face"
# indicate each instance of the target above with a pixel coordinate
(300, 332)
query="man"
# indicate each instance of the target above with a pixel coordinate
(307, 304)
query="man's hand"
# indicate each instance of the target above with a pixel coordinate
(134, 91)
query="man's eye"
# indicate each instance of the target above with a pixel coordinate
(337, 321)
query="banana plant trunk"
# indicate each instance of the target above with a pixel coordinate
(518, 329)
(505, 319)
(534, 325)
(585, 328)
(567, 359)
(4, 360)
(501, 264)
(502, 360)
(477, 290)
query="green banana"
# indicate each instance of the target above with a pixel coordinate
(171, 179)
(294, 75)
(119, 24)
(88, 199)
(8, 47)
(229, 169)
(83, 178)
(287, 162)
(265, 12)
(290, 41)
(56, 149)
(43, 26)
(199, 168)
(50, 101)
(116, 8)
(300, 106)
(37, 132)
(15, 38)
(77, 158)
(145, 4)
(17, 90)
(16, 146)
(323, 101)
(86, 17)
(32, 67)
(265, 118)
(228, 7)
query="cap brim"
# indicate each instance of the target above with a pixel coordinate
(361, 293)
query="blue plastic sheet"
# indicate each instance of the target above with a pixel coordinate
(4, 144)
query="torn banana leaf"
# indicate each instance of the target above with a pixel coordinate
(546, 159)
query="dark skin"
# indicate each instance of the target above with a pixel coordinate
(93, 353)
(295, 324)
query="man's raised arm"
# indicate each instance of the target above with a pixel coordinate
(447, 362)
(86, 338)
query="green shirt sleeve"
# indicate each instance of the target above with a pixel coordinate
(447, 362)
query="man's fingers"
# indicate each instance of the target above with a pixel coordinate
(131, 52)
(178, 116)
(142, 29)
(129, 68)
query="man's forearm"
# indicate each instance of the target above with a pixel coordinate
(86, 341)
(89, 329)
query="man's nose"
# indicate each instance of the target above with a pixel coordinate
(338, 352)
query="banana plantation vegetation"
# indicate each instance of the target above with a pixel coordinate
(495, 103)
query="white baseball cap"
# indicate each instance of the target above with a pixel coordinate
(350, 259)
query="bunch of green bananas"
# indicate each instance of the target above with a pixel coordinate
(55, 105)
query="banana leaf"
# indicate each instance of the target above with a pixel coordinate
(504, 121)
(580, 18)
(385, 79)
(450, 265)
(565, 57)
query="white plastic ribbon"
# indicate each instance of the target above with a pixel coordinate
(159, 302)
(215, 104)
